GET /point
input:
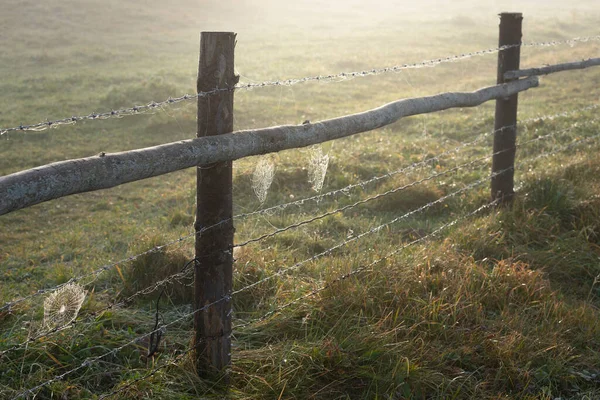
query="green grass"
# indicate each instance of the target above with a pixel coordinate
(502, 305)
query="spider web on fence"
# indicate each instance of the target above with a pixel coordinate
(62, 306)
(263, 178)
(317, 167)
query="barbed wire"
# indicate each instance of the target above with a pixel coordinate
(92, 360)
(397, 189)
(176, 359)
(569, 42)
(181, 274)
(106, 267)
(445, 226)
(96, 273)
(228, 297)
(175, 278)
(332, 282)
(154, 105)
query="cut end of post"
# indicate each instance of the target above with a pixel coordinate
(511, 14)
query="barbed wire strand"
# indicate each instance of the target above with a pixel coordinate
(397, 189)
(92, 360)
(96, 273)
(314, 292)
(174, 361)
(176, 277)
(154, 105)
(114, 351)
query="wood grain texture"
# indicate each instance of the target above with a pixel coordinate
(213, 271)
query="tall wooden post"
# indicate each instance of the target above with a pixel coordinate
(213, 269)
(505, 124)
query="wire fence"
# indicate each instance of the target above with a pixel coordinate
(154, 105)
(89, 361)
(90, 277)
(176, 278)
(85, 321)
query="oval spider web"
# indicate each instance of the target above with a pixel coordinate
(317, 168)
(62, 306)
(262, 178)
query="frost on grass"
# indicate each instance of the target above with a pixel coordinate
(262, 178)
(317, 168)
(62, 306)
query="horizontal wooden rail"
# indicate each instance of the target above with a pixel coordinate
(552, 68)
(52, 181)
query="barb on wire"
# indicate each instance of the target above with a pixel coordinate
(140, 109)
(92, 360)
(106, 267)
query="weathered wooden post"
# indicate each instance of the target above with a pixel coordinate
(213, 269)
(505, 124)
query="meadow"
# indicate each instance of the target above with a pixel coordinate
(502, 305)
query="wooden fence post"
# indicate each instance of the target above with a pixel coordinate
(505, 123)
(214, 265)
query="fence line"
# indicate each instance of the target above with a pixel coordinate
(264, 141)
(92, 360)
(314, 292)
(180, 275)
(154, 105)
(276, 232)
(352, 273)
(228, 297)
(94, 274)
(64, 178)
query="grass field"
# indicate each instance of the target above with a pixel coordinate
(503, 305)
